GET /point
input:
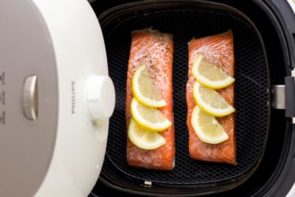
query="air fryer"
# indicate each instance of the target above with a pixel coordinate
(63, 67)
(263, 64)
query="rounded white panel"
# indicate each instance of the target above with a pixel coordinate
(80, 142)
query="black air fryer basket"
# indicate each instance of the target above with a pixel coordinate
(186, 20)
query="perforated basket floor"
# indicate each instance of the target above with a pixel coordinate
(251, 90)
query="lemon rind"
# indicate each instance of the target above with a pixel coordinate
(205, 81)
(145, 146)
(162, 126)
(207, 108)
(142, 99)
(222, 138)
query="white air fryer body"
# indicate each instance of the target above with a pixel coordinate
(58, 98)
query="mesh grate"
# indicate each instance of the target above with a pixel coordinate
(251, 91)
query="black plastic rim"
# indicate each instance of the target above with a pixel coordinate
(186, 20)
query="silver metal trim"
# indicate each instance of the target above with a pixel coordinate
(279, 97)
(148, 184)
(30, 98)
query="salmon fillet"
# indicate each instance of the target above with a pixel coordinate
(218, 49)
(154, 49)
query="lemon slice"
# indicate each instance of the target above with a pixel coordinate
(144, 139)
(147, 117)
(210, 101)
(209, 74)
(207, 127)
(144, 89)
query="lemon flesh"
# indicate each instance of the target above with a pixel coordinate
(144, 89)
(209, 74)
(147, 117)
(207, 127)
(211, 101)
(144, 139)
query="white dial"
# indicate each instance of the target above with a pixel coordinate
(100, 97)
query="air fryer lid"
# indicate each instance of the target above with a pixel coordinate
(25, 146)
(55, 98)
(186, 20)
